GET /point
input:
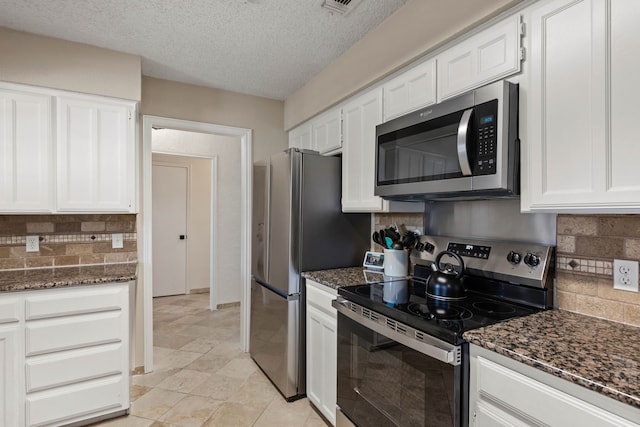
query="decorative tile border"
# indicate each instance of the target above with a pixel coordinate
(66, 238)
(585, 265)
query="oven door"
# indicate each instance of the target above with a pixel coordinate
(384, 382)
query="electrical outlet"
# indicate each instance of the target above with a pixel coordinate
(117, 241)
(625, 275)
(33, 244)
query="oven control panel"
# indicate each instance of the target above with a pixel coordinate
(469, 250)
(514, 262)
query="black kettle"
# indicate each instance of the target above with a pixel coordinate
(446, 283)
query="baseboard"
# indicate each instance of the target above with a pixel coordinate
(199, 291)
(228, 305)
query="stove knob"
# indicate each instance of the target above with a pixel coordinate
(532, 260)
(514, 257)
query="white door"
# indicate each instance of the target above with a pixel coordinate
(169, 196)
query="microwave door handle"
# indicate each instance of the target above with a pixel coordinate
(463, 135)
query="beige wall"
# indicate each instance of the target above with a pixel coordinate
(44, 61)
(199, 230)
(264, 116)
(413, 30)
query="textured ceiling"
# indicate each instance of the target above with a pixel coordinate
(267, 48)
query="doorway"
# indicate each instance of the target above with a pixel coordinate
(242, 233)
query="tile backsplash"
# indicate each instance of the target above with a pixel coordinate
(586, 248)
(66, 240)
(410, 221)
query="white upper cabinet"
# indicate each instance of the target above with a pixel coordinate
(95, 155)
(327, 131)
(581, 149)
(25, 152)
(361, 116)
(322, 133)
(300, 137)
(410, 90)
(485, 57)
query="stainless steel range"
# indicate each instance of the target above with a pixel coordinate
(402, 359)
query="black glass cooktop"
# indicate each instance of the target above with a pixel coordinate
(405, 301)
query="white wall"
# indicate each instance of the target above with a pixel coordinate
(227, 151)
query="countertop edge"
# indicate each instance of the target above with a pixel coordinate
(595, 386)
(68, 276)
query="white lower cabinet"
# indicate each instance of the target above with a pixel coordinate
(70, 350)
(322, 336)
(10, 379)
(503, 392)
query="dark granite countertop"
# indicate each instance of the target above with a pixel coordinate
(595, 353)
(349, 276)
(59, 277)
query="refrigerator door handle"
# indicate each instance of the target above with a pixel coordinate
(288, 297)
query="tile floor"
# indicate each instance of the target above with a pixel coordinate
(202, 378)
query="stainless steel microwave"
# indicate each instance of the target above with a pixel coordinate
(463, 148)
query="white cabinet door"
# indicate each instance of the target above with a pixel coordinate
(411, 90)
(327, 131)
(361, 116)
(485, 57)
(11, 377)
(95, 155)
(25, 152)
(322, 336)
(622, 151)
(503, 392)
(580, 148)
(300, 137)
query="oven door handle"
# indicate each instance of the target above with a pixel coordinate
(399, 332)
(464, 128)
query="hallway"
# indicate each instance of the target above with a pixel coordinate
(202, 378)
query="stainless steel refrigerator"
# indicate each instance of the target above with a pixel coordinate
(298, 225)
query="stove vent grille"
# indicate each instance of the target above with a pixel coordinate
(341, 7)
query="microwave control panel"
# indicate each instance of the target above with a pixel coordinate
(487, 125)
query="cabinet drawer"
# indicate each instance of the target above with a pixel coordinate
(64, 302)
(9, 310)
(528, 397)
(67, 333)
(75, 366)
(69, 404)
(321, 298)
